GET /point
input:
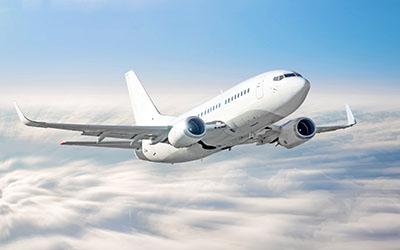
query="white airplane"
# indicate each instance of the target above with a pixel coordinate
(244, 114)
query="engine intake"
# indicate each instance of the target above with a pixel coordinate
(305, 127)
(187, 132)
(195, 126)
(296, 132)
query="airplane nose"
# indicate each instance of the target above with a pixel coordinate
(302, 85)
(306, 84)
(300, 89)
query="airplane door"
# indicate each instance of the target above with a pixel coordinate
(259, 90)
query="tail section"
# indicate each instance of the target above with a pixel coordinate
(144, 110)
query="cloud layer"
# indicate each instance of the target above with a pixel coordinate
(339, 191)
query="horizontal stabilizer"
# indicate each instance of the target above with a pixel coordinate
(105, 144)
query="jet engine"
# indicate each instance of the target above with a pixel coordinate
(296, 132)
(187, 132)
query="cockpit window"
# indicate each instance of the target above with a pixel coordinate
(289, 75)
(278, 78)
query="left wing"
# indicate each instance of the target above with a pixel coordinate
(351, 121)
(271, 133)
(133, 133)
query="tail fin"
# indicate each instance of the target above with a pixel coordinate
(144, 110)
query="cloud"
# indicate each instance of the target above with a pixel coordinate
(218, 205)
(338, 191)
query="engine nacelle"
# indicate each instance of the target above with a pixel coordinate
(187, 132)
(296, 132)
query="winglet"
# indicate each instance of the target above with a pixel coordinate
(351, 121)
(26, 120)
(350, 117)
(21, 115)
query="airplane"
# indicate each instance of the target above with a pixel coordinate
(244, 114)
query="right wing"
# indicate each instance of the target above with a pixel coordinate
(133, 133)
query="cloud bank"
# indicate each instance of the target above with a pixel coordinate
(338, 191)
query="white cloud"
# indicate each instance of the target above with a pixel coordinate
(339, 191)
(86, 206)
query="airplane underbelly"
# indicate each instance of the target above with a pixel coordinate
(240, 127)
(163, 152)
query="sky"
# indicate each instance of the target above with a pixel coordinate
(89, 44)
(64, 61)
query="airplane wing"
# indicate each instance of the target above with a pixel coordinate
(270, 134)
(351, 121)
(133, 133)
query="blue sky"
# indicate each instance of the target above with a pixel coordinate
(56, 42)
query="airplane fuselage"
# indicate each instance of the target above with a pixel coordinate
(245, 108)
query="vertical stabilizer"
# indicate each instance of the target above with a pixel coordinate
(144, 110)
